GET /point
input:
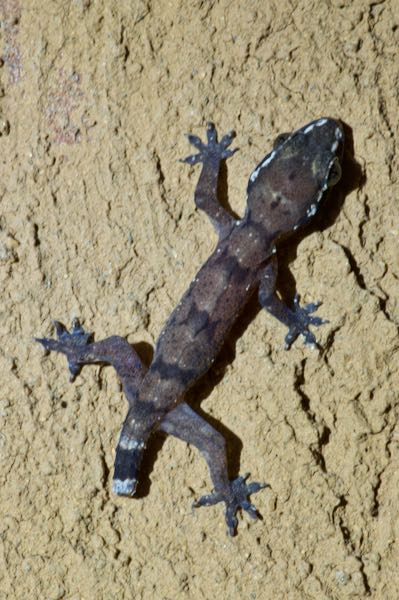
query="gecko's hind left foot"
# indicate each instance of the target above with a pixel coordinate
(213, 150)
(235, 499)
(68, 343)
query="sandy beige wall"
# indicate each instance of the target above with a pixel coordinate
(97, 220)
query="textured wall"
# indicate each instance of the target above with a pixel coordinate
(97, 220)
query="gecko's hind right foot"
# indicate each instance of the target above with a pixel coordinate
(213, 150)
(68, 343)
(235, 498)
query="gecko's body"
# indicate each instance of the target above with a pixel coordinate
(284, 192)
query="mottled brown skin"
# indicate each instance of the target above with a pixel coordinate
(284, 192)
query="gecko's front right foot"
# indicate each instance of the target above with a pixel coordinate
(300, 324)
(68, 343)
(235, 499)
(213, 150)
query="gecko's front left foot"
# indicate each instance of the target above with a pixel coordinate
(68, 343)
(301, 320)
(213, 150)
(235, 499)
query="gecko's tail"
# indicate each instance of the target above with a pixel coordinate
(127, 462)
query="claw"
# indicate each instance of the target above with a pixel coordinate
(191, 160)
(228, 153)
(74, 370)
(47, 343)
(208, 500)
(195, 141)
(211, 134)
(250, 509)
(76, 325)
(317, 321)
(227, 139)
(310, 340)
(255, 486)
(59, 328)
(311, 307)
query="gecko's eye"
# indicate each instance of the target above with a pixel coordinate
(280, 139)
(334, 174)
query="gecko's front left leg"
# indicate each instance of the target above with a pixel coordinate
(298, 318)
(211, 154)
(78, 347)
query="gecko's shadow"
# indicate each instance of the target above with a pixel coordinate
(223, 190)
(353, 178)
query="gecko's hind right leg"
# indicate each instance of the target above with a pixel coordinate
(186, 424)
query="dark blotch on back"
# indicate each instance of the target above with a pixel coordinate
(230, 265)
(198, 319)
(275, 202)
(172, 371)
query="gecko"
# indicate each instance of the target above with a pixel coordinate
(284, 193)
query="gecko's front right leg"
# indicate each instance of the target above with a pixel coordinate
(211, 154)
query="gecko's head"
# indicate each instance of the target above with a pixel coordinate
(286, 188)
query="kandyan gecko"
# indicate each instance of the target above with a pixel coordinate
(284, 193)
